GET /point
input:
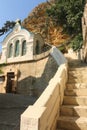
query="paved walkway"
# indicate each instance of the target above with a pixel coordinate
(11, 107)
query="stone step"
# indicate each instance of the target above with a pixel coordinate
(76, 92)
(74, 77)
(77, 73)
(59, 129)
(77, 63)
(75, 100)
(75, 111)
(77, 80)
(76, 86)
(72, 123)
(78, 68)
(78, 76)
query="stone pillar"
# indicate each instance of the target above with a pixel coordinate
(30, 119)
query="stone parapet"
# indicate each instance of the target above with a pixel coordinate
(41, 56)
(44, 113)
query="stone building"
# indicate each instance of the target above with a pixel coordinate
(21, 45)
(26, 63)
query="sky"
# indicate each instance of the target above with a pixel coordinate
(11, 10)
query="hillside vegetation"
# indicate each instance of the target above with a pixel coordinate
(57, 21)
(38, 21)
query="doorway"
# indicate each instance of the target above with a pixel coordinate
(10, 82)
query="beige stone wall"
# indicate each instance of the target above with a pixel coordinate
(2, 88)
(36, 75)
(32, 77)
(44, 113)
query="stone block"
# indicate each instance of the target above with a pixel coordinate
(30, 118)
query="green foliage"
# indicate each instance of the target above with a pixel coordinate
(67, 13)
(62, 49)
(1, 72)
(3, 64)
(77, 42)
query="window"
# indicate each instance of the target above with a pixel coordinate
(10, 50)
(17, 48)
(37, 47)
(24, 47)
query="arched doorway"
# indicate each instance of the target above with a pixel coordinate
(10, 82)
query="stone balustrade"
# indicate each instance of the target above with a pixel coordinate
(43, 114)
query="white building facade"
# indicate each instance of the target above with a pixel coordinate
(21, 45)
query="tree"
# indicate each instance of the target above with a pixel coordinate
(67, 13)
(7, 26)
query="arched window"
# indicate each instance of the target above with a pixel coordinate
(24, 47)
(17, 48)
(10, 50)
(37, 47)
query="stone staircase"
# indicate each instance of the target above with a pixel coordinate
(73, 113)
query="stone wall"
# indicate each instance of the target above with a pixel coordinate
(34, 76)
(2, 88)
(31, 77)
